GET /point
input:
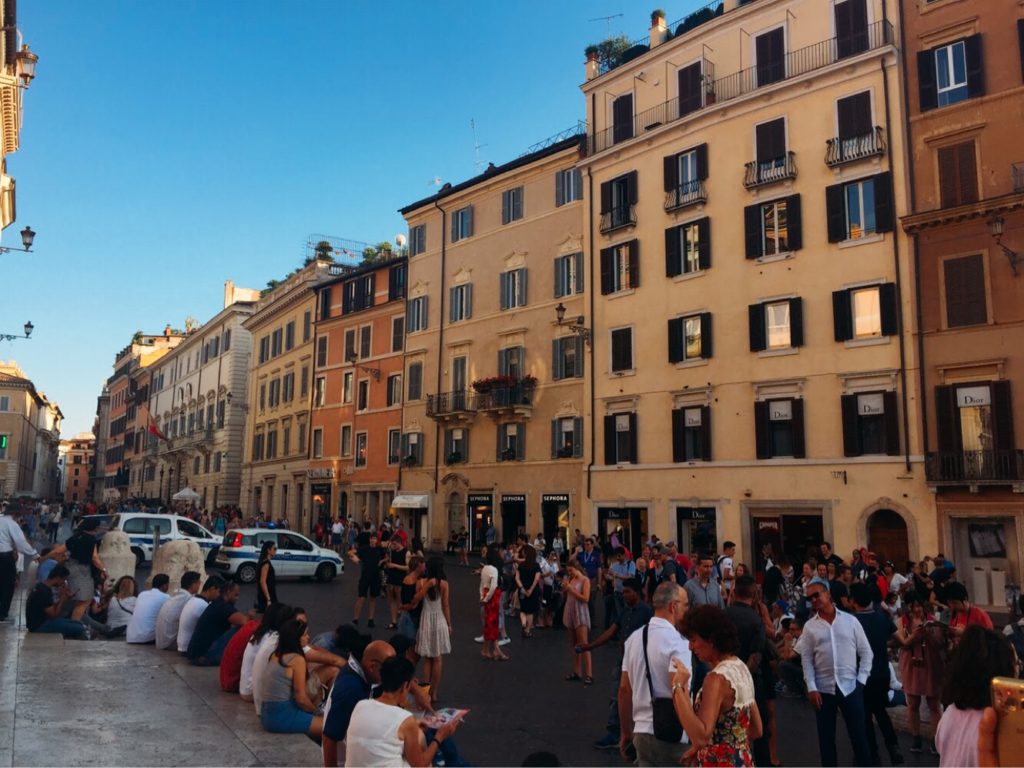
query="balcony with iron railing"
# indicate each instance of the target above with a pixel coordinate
(617, 218)
(762, 172)
(717, 90)
(839, 151)
(994, 467)
(686, 194)
(514, 400)
(457, 406)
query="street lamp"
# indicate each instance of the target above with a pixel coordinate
(578, 327)
(27, 236)
(995, 228)
(11, 337)
(375, 372)
(25, 62)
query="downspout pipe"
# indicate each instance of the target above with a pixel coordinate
(593, 328)
(440, 341)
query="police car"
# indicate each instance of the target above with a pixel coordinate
(141, 527)
(296, 555)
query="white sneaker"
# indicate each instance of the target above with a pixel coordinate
(505, 641)
(478, 639)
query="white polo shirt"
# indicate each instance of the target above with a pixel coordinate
(664, 643)
(142, 627)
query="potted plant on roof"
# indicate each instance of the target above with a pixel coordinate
(591, 52)
(658, 17)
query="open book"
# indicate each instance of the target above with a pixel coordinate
(440, 717)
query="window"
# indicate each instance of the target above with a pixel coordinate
(415, 381)
(620, 438)
(567, 357)
(272, 444)
(276, 342)
(264, 349)
(512, 442)
(776, 325)
(568, 275)
(690, 81)
(512, 287)
(302, 437)
(363, 395)
(511, 205)
(350, 345)
(460, 303)
(975, 430)
(286, 441)
(567, 437)
(779, 428)
(5, 403)
(683, 174)
(346, 440)
(216, 462)
(4, 439)
(361, 439)
(257, 447)
(859, 208)
(773, 228)
(263, 398)
(325, 303)
(320, 392)
(865, 313)
(412, 448)
(346, 386)
(288, 387)
(395, 389)
(462, 223)
(227, 346)
(417, 239)
(321, 351)
(397, 334)
(950, 73)
(289, 335)
(689, 338)
(510, 361)
(365, 339)
(964, 283)
(771, 151)
(870, 425)
(416, 314)
(394, 446)
(620, 267)
(622, 350)
(691, 434)
(853, 118)
(568, 186)
(307, 327)
(397, 278)
(304, 382)
(958, 175)
(318, 443)
(770, 50)
(851, 17)
(688, 247)
(220, 414)
(618, 198)
(275, 393)
(456, 446)
(358, 294)
(622, 118)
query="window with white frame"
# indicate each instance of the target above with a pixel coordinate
(774, 228)
(346, 386)
(416, 310)
(346, 440)
(363, 395)
(777, 327)
(513, 288)
(567, 437)
(320, 392)
(568, 186)
(395, 389)
(568, 275)
(866, 307)
(461, 303)
(511, 205)
(462, 223)
(417, 239)
(318, 443)
(951, 73)
(361, 448)
(512, 441)
(456, 445)
(860, 208)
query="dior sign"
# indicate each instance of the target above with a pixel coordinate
(969, 397)
(870, 405)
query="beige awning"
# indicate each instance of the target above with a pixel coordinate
(410, 501)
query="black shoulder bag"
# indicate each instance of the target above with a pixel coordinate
(666, 724)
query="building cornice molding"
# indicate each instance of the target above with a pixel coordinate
(940, 217)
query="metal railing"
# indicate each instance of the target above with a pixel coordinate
(686, 194)
(505, 397)
(459, 401)
(970, 467)
(761, 172)
(623, 216)
(1017, 169)
(839, 151)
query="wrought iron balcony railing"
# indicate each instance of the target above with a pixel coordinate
(975, 467)
(761, 172)
(447, 403)
(840, 151)
(616, 218)
(685, 195)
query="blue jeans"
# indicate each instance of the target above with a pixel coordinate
(852, 707)
(447, 750)
(214, 653)
(67, 627)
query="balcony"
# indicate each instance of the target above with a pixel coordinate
(762, 172)
(974, 468)
(685, 195)
(507, 401)
(617, 218)
(452, 407)
(1017, 169)
(849, 150)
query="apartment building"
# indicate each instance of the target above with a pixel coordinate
(357, 446)
(77, 454)
(964, 64)
(274, 474)
(753, 373)
(17, 69)
(29, 437)
(495, 406)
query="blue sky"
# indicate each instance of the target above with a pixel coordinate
(169, 145)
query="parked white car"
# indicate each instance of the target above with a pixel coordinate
(141, 526)
(239, 555)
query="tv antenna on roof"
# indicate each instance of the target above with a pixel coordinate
(477, 162)
(607, 20)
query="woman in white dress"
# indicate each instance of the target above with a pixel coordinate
(434, 637)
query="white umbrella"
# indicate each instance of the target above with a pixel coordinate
(186, 494)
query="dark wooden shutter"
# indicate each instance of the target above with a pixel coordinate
(854, 113)
(884, 213)
(520, 441)
(706, 346)
(967, 174)
(559, 188)
(794, 223)
(579, 272)
(554, 439)
(577, 437)
(632, 188)
(607, 265)
(752, 230)
(771, 140)
(606, 197)
(705, 432)
(673, 262)
(892, 423)
(947, 419)
(851, 27)
(889, 309)
(634, 263)
(758, 342)
(851, 426)
(702, 161)
(622, 118)
(678, 435)
(524, 285)
(671, 168)
(975, 66)
(559, 279)
(927, 91)
(634, 441)
(506, 206)
(965, 291)
(1002, 417)
(761, 440)
(704, 243)
(770, 50)
(842, 318)
(796, 322)
(835, 212)
(1020, 44)
(949, 186)
(609, 439)
(675, 340)
(556, 359)
(690, 89)
(797, 424)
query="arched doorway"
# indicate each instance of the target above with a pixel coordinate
(887, 537)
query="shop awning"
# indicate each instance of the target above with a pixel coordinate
(410, 501)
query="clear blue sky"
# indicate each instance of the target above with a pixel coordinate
(169, 145)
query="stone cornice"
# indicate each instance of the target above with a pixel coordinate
(945, 216)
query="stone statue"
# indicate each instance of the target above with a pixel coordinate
(176, 557)
(116, 553)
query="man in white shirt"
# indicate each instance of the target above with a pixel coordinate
(142, 627)
(170, 612)
(194, 609)
(836, 659)
(12, 543)
(663, 644)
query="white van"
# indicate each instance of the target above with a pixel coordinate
(141, 526)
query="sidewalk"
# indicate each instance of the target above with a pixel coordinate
(68, 702)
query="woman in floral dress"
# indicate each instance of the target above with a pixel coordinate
(725, 719)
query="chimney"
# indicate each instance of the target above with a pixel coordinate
(593, 66)
(229, 293)
(167, 331)
(659, 32)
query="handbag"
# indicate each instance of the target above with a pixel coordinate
(666, 724)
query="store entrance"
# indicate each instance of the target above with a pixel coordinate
(554, 510)
(321, 502)
(696, 531)
(797, 536)
(631, 520)
(887, 538)
(513, 516)
(480, 516)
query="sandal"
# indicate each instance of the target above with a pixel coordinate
(588, 680)
(572, 677)
(502, 657)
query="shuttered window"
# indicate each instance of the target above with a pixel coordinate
(568, 186)
(864, 313)
(776, 325)
(462, 223)
(622, 350)
(958, 175)
(690, 99)
(950, 73)
(620, 438)
(622, 118)
(870, 424)
(691, 434)
(851, 27)
(620, 267)
(689, 338)
(511, 205)
(415, 385)
(779, 428)
(512, 288)
(770, 49)
(688, 247)
(568, 275)
(853, 115)
(567, 357)
(567, 437)
(859, 208)
(773, 228)
(964, 280)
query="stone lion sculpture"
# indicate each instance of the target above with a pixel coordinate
(176, 557)
(116, 554)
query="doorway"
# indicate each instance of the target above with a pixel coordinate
(796, 535)
(631, 521)
(480, 516)
(554, 510)
(696, 531)
(513, 516)
(887, 538)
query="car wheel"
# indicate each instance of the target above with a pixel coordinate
(140, 556)
(247, 573)
(325, 572)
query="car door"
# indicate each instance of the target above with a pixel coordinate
(195, 532)
(300, 553)
(154, 524)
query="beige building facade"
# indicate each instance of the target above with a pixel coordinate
(17, 69)
(494, 390)
(29, 437)
(754, 376)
